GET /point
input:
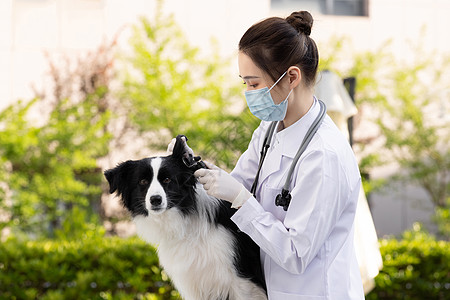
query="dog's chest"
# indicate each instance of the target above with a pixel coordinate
(199, 257)
(202, 264)
(191, 250)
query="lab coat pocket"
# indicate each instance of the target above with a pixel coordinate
(275, 295)
(269, 195)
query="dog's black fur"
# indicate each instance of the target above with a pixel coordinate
(132, 181)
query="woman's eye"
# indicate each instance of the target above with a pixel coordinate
(143, 182)
(252, 85)
(249, 84)
(167, 180)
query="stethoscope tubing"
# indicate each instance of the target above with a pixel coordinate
(306, 140)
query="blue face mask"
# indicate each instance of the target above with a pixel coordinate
(261, 104)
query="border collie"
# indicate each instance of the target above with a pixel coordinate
(200, 248)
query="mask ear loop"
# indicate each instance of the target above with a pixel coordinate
(281, 77)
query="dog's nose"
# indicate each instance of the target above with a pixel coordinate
(156, 200)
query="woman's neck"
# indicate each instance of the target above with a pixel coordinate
(299, 104)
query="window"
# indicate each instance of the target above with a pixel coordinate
(326, 7)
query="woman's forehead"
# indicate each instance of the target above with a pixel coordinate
(247, 68)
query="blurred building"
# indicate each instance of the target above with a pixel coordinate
(31, 28)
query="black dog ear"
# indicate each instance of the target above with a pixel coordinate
(111, 175)
(117, 176)
(179, 150)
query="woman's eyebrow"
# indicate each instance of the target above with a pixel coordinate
(249, 77)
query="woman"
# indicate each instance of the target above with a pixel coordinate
(307, 251)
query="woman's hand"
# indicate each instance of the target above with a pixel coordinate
(220, 184)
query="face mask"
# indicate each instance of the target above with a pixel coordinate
(261, 104)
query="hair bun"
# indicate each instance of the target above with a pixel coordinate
(302, 21)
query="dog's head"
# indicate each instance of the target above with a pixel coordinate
(154, 185)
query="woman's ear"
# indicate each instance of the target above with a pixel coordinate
(295, 76)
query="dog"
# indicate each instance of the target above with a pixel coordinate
(199, 247)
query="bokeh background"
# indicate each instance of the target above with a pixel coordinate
(86, 84)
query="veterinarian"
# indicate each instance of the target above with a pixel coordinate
(306, 236)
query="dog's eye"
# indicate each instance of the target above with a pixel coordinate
(143, 182)
(167, 180)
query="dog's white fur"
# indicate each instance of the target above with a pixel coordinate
(196, 254)
(155, 187)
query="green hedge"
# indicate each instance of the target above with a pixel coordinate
(93, 268)
(416, 267)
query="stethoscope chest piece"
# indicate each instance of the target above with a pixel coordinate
(283, 199)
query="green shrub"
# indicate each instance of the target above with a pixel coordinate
(442, 219)
(170, 88)
(416, 267)
(93, 268)
(51, 168)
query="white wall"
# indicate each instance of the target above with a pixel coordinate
(397, 20)
(31, 28)
(5, 51)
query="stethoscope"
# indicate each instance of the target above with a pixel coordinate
(284, 198)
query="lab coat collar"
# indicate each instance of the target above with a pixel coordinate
(292, 137)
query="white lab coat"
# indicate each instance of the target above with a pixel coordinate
(306, 252)
(330, 88)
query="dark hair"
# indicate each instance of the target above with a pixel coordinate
(275, 44)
